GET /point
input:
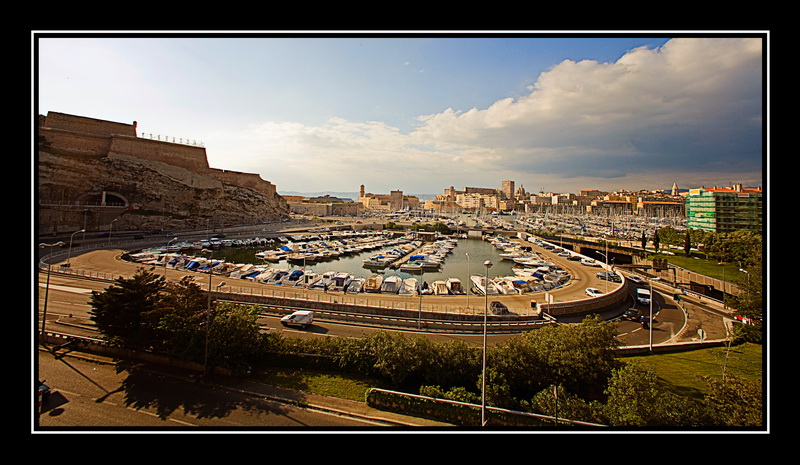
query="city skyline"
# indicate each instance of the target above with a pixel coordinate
(420, 114)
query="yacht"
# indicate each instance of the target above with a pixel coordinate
(454, 286)
(373, 283)
(480, 285)
(410, 286)
(440, 288)
(391, 284)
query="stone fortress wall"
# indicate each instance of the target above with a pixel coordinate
(88, 137)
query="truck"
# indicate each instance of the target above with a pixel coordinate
(299, 318)
(643, 296)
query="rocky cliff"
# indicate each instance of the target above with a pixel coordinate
(83, 182)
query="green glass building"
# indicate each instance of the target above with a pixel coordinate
(724, 209)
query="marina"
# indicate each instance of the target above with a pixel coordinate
(375, 262)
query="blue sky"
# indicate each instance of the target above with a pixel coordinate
(421, 114)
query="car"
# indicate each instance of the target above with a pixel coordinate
(589, 262)
(300, 318)
(574, 258)
(609, 276)
(593, 292)
(632, 314)
(498, 308)
(635, 279)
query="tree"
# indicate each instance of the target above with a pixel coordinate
(183, 318)
(735, 402)
(687, 243)
(126, 313)
(636, 398)
(234, 336)
(581, 358)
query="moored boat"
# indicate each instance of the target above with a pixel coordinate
(454, 286)
(391, 284)
(481, 286)
(373, 283)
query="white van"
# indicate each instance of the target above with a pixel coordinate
(643, 296)
(301, 318)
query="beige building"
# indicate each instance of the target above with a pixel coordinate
(394, 201)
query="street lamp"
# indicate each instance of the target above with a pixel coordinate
(69, 253)
(166, 255)
(111, 230)
(488, 265)
(47, 282)
(468, 286)
(419, 292)
(208, 321)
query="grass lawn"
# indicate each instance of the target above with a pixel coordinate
(681, 372)
(320, 382)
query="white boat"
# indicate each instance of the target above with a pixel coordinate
(411, 267)
(308, 280)
(355, 286)
(504, 285)
(373, 283)
(278, 277)
(391, 284)
(439, 288)
(454, 286)
(480, 285)
(410, 286)
(339, 280)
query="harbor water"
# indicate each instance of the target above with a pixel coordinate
(464, 260)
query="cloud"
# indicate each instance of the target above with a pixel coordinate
(691, 106)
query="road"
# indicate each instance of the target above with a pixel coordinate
(93, 395)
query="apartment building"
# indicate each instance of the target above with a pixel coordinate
(724, 209)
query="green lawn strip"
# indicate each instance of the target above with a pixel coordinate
(682, 372)
(319, 382)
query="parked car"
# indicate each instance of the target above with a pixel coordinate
(498, 308)
(589, 262)
(593, 292)
(609, 276)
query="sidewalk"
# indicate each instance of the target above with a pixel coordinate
(251, 386)
(329, 404)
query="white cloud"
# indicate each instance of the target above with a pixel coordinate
(691, 106)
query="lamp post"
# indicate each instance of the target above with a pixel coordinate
(69, 252)
(467, 282)
(650, 323)
(47, 282)
(419, 292)
(111, 230)
(166, 250)
(488, 265)
(208, 321)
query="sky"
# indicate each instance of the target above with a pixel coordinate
(421, 113)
